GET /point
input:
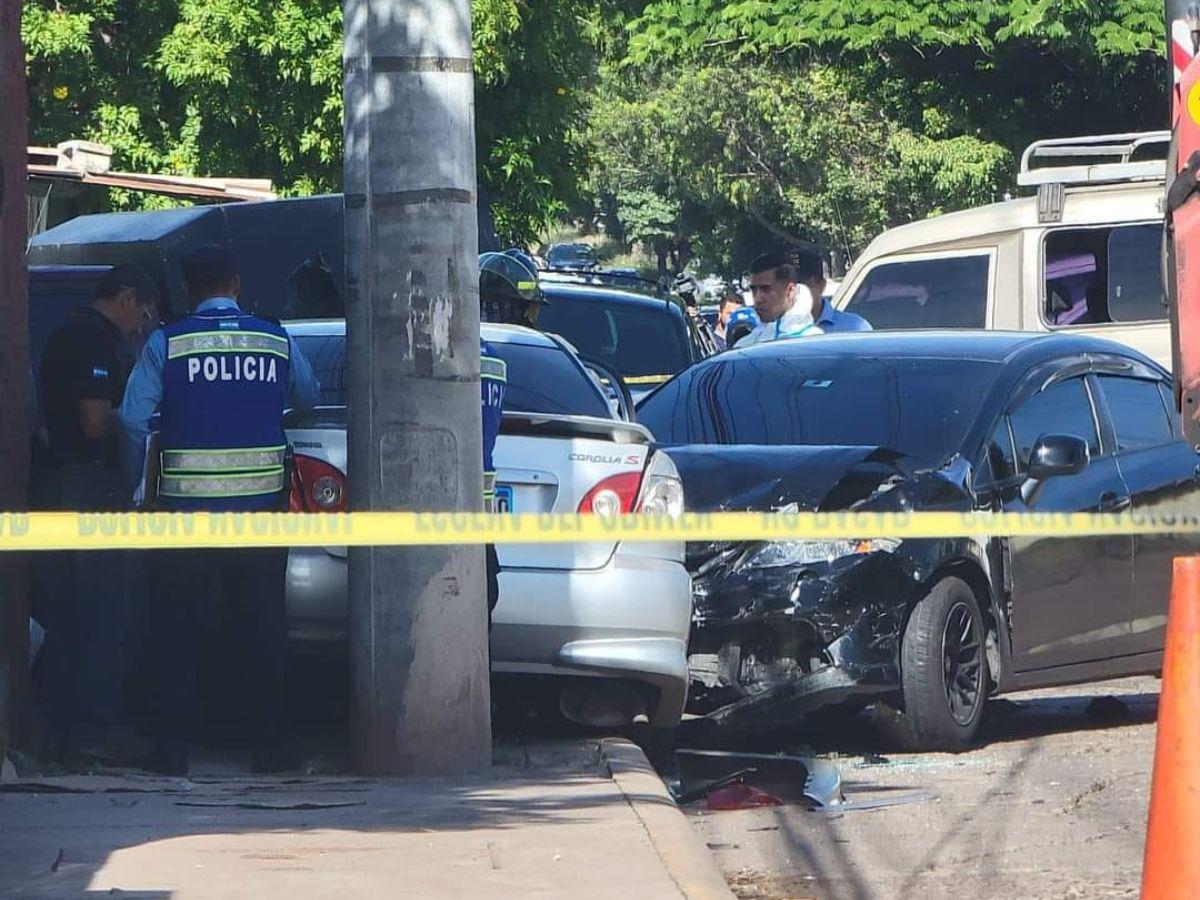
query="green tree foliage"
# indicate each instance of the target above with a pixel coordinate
(715, 160)
(253, 88)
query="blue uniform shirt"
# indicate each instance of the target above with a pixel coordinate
(493, 378)
(144, 391)
(832, 320)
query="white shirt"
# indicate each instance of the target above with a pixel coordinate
(796, 322)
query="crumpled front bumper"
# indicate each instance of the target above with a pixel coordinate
(842, 620)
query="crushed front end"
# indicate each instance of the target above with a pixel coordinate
(782, 629)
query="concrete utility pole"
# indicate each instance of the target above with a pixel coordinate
(14, 369)
(418, 617)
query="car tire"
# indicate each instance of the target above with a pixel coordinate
(943, 673)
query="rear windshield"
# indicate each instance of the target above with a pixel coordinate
(540, 379)
(918, 406)
(632, 339)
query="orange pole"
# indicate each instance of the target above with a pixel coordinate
(1172, 865)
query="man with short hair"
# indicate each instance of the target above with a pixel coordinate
(82, 380)
(729, 303)
(810, 272)
(220, 380)
(783, 306)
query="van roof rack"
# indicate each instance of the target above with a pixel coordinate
(1096, 159)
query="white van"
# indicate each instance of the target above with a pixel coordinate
(1081, 255)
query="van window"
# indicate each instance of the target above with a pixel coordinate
(1098, 275)
(951, 292)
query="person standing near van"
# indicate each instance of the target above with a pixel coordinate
(783, 306)
(83, 380)
(810, 272)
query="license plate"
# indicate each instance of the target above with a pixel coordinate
(504, 498)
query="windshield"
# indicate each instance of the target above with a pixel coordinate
(540, 379)
(571, 253)
(632, 339)
(918, 406)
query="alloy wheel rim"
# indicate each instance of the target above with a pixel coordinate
(962, 663)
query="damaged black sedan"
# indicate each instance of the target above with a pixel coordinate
(926, 629)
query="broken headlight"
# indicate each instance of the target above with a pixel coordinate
(800, 553)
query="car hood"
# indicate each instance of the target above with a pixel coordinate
(753, 478)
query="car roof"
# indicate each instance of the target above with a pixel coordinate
(1084, 205)
(981, 346)
(491, 332)
(593, 292)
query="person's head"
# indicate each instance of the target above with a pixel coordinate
(773, 285)
(809, 269)
(729, 304)
(127, 297)
(508, 290)
(208, 272)
(742, 321)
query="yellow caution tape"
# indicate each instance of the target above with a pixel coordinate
(100, 531)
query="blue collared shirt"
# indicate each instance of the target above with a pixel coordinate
(143, 392)
(832, 320)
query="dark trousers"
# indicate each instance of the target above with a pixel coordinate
(86, 613)
(185, 586)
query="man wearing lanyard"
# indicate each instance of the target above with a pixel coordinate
(810, 273)
(220, 379)
(82, 379)
(783, 306)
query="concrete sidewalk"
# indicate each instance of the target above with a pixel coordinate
(599, 826)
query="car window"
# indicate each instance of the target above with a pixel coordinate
(540, 379)
(928, 293)
(1065, 407)
(633, 339)
(326, 354)
(1139, 417)
(1097, 275)
(1000, 456)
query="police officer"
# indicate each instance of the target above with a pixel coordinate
(220, 379)
(83, 377)
(508, 294)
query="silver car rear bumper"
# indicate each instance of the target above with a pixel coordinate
(627, 620)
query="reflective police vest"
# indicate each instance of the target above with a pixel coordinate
(493, 377)
(224, 388)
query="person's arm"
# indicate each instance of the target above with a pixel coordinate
(143, 393)
(90, 374)
(303, 389)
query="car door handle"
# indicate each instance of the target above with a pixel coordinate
(1112, 502)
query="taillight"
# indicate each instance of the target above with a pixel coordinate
(662, 491)
(613, 496)
(316, 486)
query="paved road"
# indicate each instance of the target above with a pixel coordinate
(1051, 805)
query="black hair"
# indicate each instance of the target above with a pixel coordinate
(127, 276)
(731, 298)
(776, 263)
(207, 271)
(806, 261)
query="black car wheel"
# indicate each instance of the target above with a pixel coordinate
(943, 673)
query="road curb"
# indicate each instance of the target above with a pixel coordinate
(680, 849)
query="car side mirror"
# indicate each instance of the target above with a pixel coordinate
(1054, 455)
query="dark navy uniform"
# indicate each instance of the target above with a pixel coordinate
(220, 380)
(493, 378)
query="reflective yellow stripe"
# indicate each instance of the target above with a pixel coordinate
(226, 342)
(202, 486)
(495, 369)
(230, 460)
(647, 379)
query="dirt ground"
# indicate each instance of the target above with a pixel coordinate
(1051, 804)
